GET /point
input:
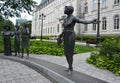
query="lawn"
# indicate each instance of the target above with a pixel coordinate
(50, 48)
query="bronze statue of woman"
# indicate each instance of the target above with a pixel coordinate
(69, 35)
(7, 40)
(25, 40)
(17, 40)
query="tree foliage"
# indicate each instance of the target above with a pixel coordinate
(4, 22)
(12, 8)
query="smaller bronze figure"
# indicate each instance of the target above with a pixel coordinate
(25, 40)
(7, 40)
(17, 40)
(69, 36)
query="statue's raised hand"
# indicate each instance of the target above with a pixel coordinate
(95, 21)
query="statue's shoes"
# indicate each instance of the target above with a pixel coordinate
(21, 56)
(69, 72)
(66, 70)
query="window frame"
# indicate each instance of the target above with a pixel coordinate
(104, 23)
(116, 20)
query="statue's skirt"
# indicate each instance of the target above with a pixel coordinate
(69, 42)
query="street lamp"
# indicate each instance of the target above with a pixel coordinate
(98, 26)
(42, 16)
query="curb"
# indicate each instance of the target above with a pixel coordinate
(51, 75)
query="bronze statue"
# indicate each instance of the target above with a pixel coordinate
(17, 40)
(7, 40)
(68, 35)
(25, 40)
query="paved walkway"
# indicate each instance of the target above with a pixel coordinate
(14, 72)
(80, 65)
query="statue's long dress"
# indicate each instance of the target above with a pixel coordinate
(7, 43)
(17, 40)
(69, 40)
(25, 38)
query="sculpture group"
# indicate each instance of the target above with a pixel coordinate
(21, 39)
(68, 35)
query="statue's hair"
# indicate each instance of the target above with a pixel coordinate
(7, 27)
(70, 9)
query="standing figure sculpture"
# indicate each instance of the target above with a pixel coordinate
(7, 40)
(69, 36)
(17, 40)
(25, 40)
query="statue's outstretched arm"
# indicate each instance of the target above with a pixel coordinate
(83, 21)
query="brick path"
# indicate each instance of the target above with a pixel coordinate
(14, 72)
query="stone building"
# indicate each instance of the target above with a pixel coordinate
(109, 16)
(54, 11)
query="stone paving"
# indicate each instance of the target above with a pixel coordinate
(14, 72)
(81, 66)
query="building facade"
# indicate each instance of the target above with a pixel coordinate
(86, 9)
(53, 11)
(109, 16)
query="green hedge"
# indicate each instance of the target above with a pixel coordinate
(51, 48)
(83, 38)
(107, 56)
(104, 62)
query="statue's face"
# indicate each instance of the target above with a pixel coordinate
(17, 28)
(66, 10)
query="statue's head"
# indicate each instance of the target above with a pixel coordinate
(26, 25)
(68, 10)
(7, 28)
(17, 27)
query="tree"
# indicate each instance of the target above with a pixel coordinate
(4, 22)
(12, 8)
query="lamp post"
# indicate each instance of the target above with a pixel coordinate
(42, 16)
(98, 26)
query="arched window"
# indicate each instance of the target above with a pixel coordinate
(94, 4)
(86, 27)
(104, 3)
(116, 1)
(94, 27)
(58, 28)
(116, 22)
(104, 23)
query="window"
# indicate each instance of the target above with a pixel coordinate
(94, 4)
(94, 27)
(58, 28)
(51, 30)
(116, 1)
(86, 27)
(86, 9)
(104, 23)
(103, 3)
(116, 22)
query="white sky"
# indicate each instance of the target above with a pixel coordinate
(24, 15)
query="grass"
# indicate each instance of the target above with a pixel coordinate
(50, 48)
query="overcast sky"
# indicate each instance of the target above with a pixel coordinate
(25, 15)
